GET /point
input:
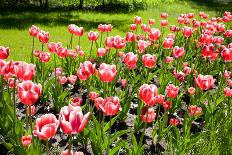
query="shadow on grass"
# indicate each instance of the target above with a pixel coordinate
(219, 6)
(23, 18)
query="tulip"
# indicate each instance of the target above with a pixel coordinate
(149, 60)
(164, 23)
(43, 36)
(194, 110)
(227, 74)
(107, 72)
(11, 83)
(148, 114)
(119, 42)
(110, 106)
(130, 36)
(229, 82)
(72, 120)
(218, 40)
(46, 126)
(62, 52)
(93, 95)
(36, 53)
(4, 52)
(109, 42)
(29, 92)
(169, 59)
(123, 82)
(167, 105)
(187, 31)
(85, 70)
(154, 34)
(133, 27)
(130, 60)
(164, 15)
(72, 79)
(207, 51)
(227, 54)
(168, 43)
(142, 45)
(148, 94)
(191, 91)
(172, 91)
(33, 31)
(174, 122)
(187, 70)
(26, 141)
(93, 36)
(101, 52)
(145, 28)
(204, 82)
(44, 57)
(66, 152)
(178, 52)
(227, 92)
(25, 71)
(137, 20)
(53, 47)
(151, 21)
(179, 76)
(76, 101)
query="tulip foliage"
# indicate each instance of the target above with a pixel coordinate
(163, 88)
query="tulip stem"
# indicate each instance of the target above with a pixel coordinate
(33, 45)
(30, 120)
(144, 129)
(14, 101)
(91, 49)
(108, 147)
(71, 40)
(101, 40)
(79, 41)
(47, 147)
(55, 69)
(70, 144)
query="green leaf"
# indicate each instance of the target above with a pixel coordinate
(118, 145)
(134, 144)
(220, 99)
(117, 134)
(107, 126)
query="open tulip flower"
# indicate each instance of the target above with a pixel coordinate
(109, 105)
(204, 82)
(107, 72)
(46, 126)
(85, 70)
(29, 92)
(72, 120)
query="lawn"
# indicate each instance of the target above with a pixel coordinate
(14, 23)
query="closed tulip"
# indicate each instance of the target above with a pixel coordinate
(76, 101)
(130, 59)
(93, 36)
(178, 52)
(4, 52)
(148, 114)
(149, 60)
(110, 106)
(43, 36)
(85, 70)
(107, 72)
(172, 90)
(33, 31)
(194, 110)
(227, 54)
(26, 141)
(148, 94)
(174, 121)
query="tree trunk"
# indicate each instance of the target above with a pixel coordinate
(81, 4)
(46, 4)
(103, 2)
(41, 3)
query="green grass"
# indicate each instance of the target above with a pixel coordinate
(14, 24)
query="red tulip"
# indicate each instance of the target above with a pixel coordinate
(148, 114)
(164, 15)
(26, 141)
(25, 71)
(36, 53)
(110, 106)
(85, 70)
(187, 70)
(59, 71)
(46, 126)
(98, 101)
(191, 90)
(119, 42)
(107, 72)
(230, 45)
(4, 52)
(73, 29)
(29, 92)
(130, 36)
(33, 31)
(145, 28)
(151, 21)
(72, 120)
(101, 52)
(227, 92)
(44, 57)
(190, 15)
(164, 23)
(76, 101)
(72, 79)
(227, 74)
(137, 20)
(123, 82)
(181, 20)
(142, 45)
(204, 82)
(104, 28)
(133, 27)
(206, 39)
(130, 59)
(178, 52)
(227, 54)
(93, 95)
(148, 94)
(187, 31)
(93, 36)
(168, 43)
(66, 152)
(11, 83)
(43, 36)
(169, 59)
(62, 52)
(207, 51)
(154, 34)
(174, 122)
(220, 27)
(167, 105)
(172, 91)
(218, 40)
(149, 60)
(53, 47)
(108, 27)
(179, 76)
(229, 82)
(194, 110)
(109, 42)
(33, 110)
(228, 33)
